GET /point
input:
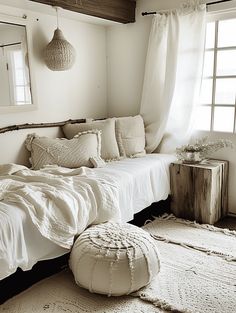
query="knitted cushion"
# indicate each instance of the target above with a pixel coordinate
(63, 152)
(114, 259)
(130, 134)
(109, 147)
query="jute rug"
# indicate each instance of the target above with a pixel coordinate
(198, 274)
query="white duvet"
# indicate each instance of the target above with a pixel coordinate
(41, 211)
(61, 202)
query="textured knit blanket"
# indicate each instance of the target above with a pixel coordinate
(61, 202)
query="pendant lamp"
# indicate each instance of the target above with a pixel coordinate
(59, 54)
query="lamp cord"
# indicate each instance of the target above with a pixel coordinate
(56, 8)
(57, 17)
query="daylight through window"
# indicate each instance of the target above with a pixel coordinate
(218, 92)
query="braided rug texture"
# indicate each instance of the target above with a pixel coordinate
(198, 275)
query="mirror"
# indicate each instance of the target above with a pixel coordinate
(15, 78)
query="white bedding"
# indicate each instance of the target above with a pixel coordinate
(74, 200)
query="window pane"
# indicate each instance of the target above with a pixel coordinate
(20, 94)
(18, 59)
(203, 118)
(208, 63)
(226, 33)
(20, 77)
(226, 62)
(210, 35)
(225, 91)
(206, 91)
(223, 119)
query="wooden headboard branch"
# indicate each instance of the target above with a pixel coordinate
(39, 125)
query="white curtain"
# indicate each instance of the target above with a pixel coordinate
(173, 77)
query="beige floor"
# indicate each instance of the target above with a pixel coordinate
(184, 268)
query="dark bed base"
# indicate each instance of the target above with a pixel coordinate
(21, 280)
(156, 209)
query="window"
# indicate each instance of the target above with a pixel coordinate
(218, 91)
(18, 76)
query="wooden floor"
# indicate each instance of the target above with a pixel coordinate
(227, 222)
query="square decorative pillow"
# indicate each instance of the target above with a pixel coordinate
(130, 134)
(63, 152)
(109, 147)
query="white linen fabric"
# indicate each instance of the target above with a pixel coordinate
(109, 147)
(63, 152)
(140, 181)
(75, 199)
(21, 244)
(130, 134)
(61, 202)
(173, 77)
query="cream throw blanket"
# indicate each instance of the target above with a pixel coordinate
(61, 202)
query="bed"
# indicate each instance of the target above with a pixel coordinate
(93, 195)
(137, 183)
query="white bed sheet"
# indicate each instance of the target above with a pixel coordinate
(140, 182)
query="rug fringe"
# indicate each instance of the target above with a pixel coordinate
(171, 217)
(167, 216)
(226, 257)
(162, 304)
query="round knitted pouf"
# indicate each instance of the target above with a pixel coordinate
(114, 259)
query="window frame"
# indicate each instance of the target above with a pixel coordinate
(216, 17)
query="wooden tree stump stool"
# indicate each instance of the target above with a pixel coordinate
(199, 191)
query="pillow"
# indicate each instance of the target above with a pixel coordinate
(63, 152)
(97, 162)
(109, 147)
(130, 134)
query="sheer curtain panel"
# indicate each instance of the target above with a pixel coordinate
(173, 76)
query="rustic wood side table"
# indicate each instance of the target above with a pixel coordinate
(199, 191)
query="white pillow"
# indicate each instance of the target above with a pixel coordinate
(63, 152)
(109, 147)
(130, 134)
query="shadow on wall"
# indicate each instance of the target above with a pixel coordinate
(39, 42)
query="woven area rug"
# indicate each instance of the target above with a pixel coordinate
(198, 274)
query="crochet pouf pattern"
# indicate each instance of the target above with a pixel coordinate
(114, 259)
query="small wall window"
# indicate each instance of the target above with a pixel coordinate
(218, 91)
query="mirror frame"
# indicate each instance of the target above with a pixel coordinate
(21, 21)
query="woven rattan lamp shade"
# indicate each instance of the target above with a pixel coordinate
(59, 54)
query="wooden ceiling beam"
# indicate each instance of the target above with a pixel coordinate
(122, 11)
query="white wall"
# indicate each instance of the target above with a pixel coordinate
(77, 93)
(127, 48)
(226, 154)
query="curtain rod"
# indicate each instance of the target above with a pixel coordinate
(10, 44)
(163, 11)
